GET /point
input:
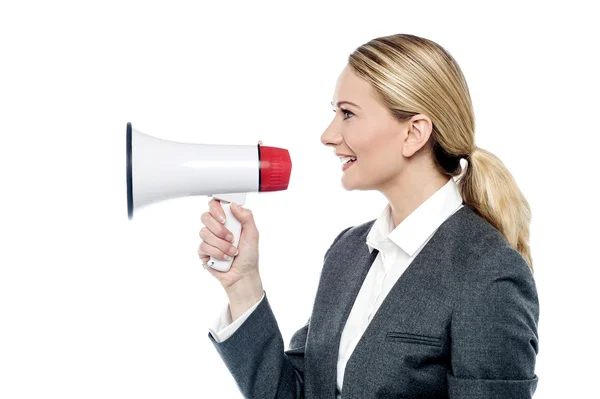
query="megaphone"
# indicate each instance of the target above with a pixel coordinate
(160, 169)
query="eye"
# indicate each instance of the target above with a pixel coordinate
(346, 112)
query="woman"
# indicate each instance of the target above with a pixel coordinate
(441, 301)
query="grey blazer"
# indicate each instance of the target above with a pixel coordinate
(461, 322)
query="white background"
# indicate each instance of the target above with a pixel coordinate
(93, 305)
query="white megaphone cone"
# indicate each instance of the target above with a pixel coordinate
(160, 169)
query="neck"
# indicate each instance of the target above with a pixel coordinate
(411, 189)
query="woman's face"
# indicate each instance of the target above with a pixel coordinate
(365, 130)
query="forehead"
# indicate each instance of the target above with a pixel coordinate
(350, 87)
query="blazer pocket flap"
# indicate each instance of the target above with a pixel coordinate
(413, 338)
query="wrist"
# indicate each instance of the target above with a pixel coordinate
(246, 292)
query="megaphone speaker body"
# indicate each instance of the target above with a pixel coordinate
(159, 169)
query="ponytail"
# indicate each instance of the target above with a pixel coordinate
(491, 191)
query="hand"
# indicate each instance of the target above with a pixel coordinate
(215, 244)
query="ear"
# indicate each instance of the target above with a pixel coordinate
(419, 131)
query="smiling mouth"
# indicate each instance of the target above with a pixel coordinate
(347, 165)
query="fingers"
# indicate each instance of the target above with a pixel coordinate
(203, 257)
(217, 239)
(216, 210)
(216, 228)
(220, 245)
(215, 252)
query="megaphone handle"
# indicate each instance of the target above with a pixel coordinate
(233, 225)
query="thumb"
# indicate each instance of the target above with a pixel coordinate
(245, 217)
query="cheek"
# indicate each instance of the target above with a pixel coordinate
(381, 155)
(384, 163)
(377, 147)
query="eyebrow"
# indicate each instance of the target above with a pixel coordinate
(345, 102)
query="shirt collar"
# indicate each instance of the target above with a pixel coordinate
(417, 227)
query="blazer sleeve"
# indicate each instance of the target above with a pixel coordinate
(222, 327)
(255, 357)
(493, 333)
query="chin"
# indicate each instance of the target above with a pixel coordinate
(346, 184)
(349, 184)
(353, 180)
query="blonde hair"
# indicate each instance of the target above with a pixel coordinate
(413, 75)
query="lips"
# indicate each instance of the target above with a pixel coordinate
(348, 165)
(347, 159)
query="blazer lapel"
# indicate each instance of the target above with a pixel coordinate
(340, 282)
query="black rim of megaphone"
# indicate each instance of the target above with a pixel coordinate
(129, 176)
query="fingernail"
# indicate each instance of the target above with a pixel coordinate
(226, 257)
(222, 218)
(229, 237)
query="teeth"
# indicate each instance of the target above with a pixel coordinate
(345, 160)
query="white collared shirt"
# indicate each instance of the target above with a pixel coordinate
(397, 248)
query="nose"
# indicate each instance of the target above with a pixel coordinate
(331, 135)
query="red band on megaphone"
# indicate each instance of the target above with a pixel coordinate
(275, 168)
